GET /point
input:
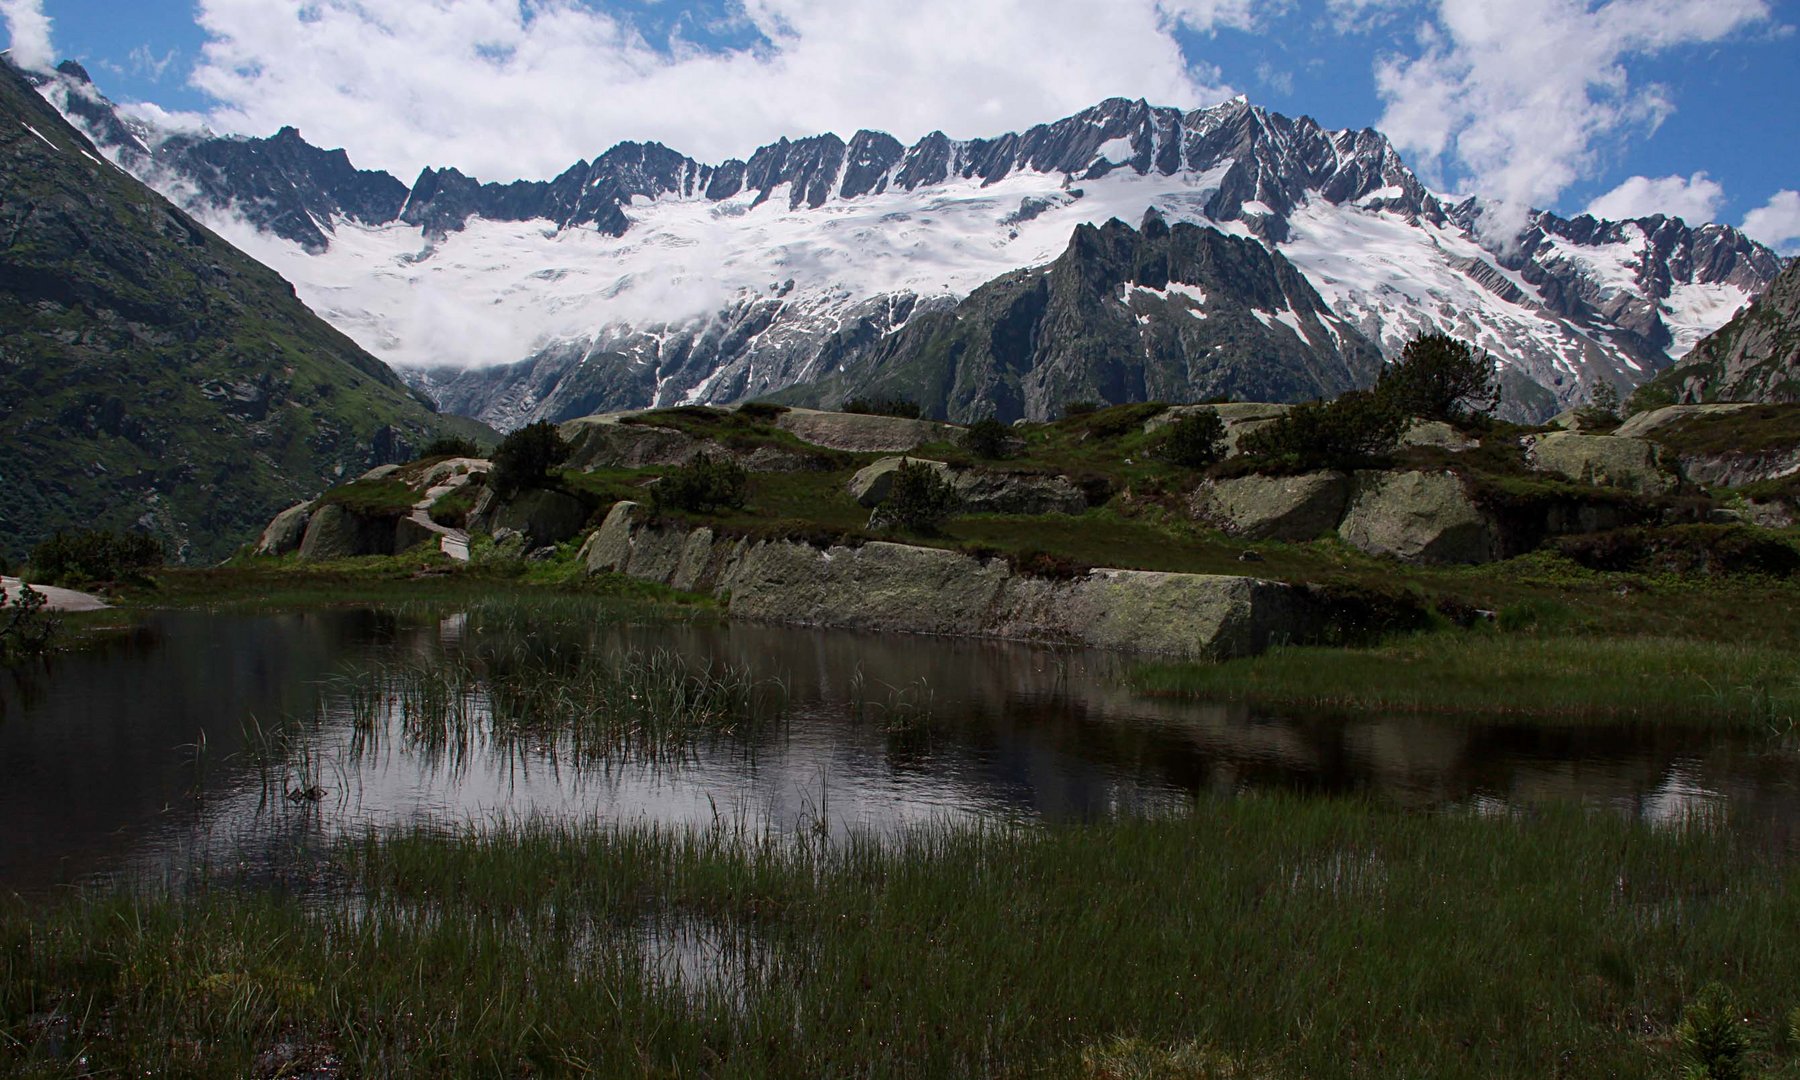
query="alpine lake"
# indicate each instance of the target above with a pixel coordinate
(562, 834)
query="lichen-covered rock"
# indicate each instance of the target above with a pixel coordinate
(877, 586)
(452, 471)
(1644, 423)
(1603, 460)
(285, 531)
(413, 530)
(1436, 433)
(992, 491)
(1174, 614)
(544, 516)
(900, 588)
(335, 533)
(602, 442)
(862, 433)
(379, 472)
(1274, 507)
(608, 548)
(1418, 517)
(870, 486)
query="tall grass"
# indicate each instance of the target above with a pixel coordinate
(1552, 678)
(1256, 937)
(538, 679)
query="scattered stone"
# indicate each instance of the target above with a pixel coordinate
(1250, 556)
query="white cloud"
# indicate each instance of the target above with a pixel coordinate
(149, 65)
(505, 89)
(30, 31)
(1520, 99)
(1777, 222)
(1694, 199)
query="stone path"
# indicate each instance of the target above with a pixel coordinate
(58, 599)
(452, 542)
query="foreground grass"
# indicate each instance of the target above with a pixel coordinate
(1266, 937)
(1547, 677)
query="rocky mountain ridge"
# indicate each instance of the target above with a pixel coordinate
(1753, 358)
(650, 278)
(154, 378)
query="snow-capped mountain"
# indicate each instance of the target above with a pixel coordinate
(646, 277)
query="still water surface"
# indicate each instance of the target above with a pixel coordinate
(137, 758)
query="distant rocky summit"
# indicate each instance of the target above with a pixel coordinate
(1754, 357)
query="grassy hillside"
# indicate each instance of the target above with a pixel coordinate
(153, 377)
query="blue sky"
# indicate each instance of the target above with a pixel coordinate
(1564, 104)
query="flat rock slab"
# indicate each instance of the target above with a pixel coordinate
(1616, 461)
(56, 599)
(1645, 422)
(862, 433)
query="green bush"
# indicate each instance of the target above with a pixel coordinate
(761, 410)
(921, 499)
(1192, 442)
(702, 485)
(27, 628)
(524, 458)
(452, 510)
(94, 556)
(450, 446)
(888, 406)
(1711, 1037)
(988, 438)
(373, 498)
(1352, 430)
(1076, 409)
(1440, 378)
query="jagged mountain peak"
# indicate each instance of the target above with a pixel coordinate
(763, 262)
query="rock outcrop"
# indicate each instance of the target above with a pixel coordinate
(978, 490)
(1293, 508)
(1418, 517)
(283, 534)
(1614, 461)
(335, 532)
(902, 588)
(862, 433)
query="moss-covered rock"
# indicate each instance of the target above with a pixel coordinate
(543, 515)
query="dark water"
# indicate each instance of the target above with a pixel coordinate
(139, 757)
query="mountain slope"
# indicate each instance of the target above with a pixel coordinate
(1754, 357)
(151, 375)
(648, 277)
(1171, 314)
